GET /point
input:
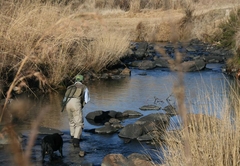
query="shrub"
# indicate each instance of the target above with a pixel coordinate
(58, 41)
(229, 29)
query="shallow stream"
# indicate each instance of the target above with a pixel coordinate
(130, 93)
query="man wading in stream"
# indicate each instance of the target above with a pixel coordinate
(75, 98)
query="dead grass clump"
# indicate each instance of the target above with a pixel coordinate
(106, 50)
(59, 42)
(212, 134)
(135, 6)
(185, 24)
(229, 29)
(230, 37)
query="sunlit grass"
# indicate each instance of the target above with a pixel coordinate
(211, 134)
(60, 42)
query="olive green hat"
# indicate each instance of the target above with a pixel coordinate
(78, 78)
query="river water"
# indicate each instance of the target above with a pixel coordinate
(129, 93)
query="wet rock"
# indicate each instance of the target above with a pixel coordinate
(149, 123)
(161, 119)
(47, 130)
(132, 113)
(161, 63)
(151, 126)
(106, 129)
(111, 113)
(190, 66)
(100, 116)
(92, 115)
(135, 63)
(113, 120)
(190, 49)
(131, 131)
(120, 115)
(141, 50)
(150, 107)
(146, 65)
(117, 125)
(213, 59)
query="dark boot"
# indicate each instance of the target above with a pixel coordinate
(71, 140)
(76, 142)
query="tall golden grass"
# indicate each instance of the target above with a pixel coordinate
(60, 42)
(209, 133)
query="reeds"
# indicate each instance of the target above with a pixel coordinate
(60, 42)
(210, 131)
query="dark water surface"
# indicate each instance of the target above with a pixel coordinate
(129, 93)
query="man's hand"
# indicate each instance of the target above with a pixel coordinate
(83, 104)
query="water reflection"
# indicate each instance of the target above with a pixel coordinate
(131, 93)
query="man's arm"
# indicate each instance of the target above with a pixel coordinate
(86, 96)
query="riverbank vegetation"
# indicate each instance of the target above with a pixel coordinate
(63, 38)
(209, 137)
(49, 42)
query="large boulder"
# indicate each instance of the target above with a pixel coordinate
(106, 129)
(150, 122)
(155, 117)
(153, 122)
(131, 131)
(190, 66)
(151, 136)
(100, 117)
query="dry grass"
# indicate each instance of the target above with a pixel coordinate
(60, 42)
(211, 136)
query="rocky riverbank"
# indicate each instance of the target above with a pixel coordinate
(195, 55)
(147, 56)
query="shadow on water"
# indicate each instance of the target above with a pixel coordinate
(129, 93)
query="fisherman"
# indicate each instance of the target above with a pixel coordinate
(75, 98)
